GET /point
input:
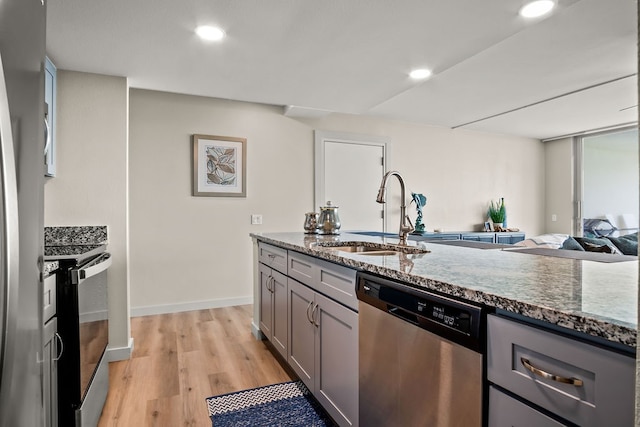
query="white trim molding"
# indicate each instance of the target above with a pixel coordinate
(189, 306)
(322, 137)
(120, 353)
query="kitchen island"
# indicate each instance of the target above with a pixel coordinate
(557, 344)
(594, 298)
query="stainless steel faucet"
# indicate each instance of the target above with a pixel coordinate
(405, 228)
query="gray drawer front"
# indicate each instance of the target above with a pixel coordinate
(49, 301)
(303, 268)
(338, 282)
(333, 280)
(605, 398)
(273, 256)
(505, 411)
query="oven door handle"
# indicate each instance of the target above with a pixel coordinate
(97, 266)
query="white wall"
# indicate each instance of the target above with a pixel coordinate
(189, 252)
(90, 187)
(559, 186)
(458, 171)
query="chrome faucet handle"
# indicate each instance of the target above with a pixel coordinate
(410, 223)
(409, 228)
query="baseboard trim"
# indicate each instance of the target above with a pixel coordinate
(256, 332)
(120, 353)
(189, 306)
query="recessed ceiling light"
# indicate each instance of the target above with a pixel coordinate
(420, 74)
(537, 8)
(207, 32)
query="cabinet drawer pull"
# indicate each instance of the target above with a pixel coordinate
(59, 339)
(313, 316)
(573, 381)
(308, 314)
(272, 256)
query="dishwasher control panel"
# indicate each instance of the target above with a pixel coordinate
(452, 317)
(455, 320)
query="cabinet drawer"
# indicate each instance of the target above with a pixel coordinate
(479, 237)
(606, 395)
(49, 300)
(338, 282)
(505, 411)
(303, 268)
(273, 256)
(333, 280)
(510, 238)
(441, 236)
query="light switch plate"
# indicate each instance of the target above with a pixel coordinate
(256, 219)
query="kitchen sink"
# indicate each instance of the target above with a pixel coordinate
(370, 248)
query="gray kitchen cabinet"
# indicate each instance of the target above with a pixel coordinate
(273, 256)
(506, 411)
(335, 281)
(323, 350)
(574, 380)
(273, 307)
(301, 354)
(50, 88)
(52, 350)
(51, 355)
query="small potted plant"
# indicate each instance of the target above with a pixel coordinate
(497, 213)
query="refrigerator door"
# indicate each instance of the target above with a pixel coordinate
(22, 51)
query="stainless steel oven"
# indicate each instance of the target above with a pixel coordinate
(82, 306)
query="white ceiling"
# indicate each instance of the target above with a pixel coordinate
(493, 70)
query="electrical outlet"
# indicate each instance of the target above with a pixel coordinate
(256, 219)
(554, 217)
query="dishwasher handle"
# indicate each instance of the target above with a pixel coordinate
(403, 314)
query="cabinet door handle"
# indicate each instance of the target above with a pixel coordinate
(269, 284)
(309, 315)
(573, 381)
(59, 339)
(313, 316)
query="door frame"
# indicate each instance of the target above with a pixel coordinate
(578, 168)
(322, 137)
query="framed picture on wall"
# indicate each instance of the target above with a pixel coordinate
(219, 166)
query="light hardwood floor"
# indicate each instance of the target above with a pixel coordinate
(179, 360)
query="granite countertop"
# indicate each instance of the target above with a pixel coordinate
(72, 251)
(50, 267)
(595, 298)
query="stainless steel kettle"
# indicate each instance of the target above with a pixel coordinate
(311, 223)
(329, 222)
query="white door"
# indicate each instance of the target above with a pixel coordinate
(352, 174)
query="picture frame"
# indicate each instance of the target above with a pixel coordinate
(219, 166)
(488, 226)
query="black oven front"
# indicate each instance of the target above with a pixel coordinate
(83, 324)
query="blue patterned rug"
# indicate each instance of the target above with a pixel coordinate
(286, 404)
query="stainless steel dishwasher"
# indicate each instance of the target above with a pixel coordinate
(420, 355)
